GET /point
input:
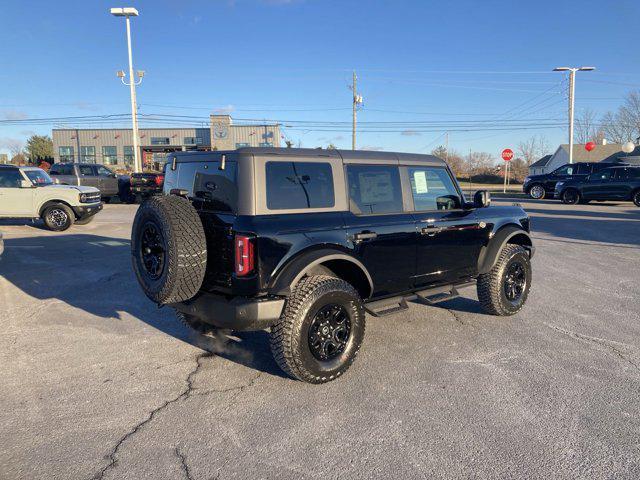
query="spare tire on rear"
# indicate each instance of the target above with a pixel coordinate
(168, 249)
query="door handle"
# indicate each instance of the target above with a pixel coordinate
(359, 237)
(431, 230)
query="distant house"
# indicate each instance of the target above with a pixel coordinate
(608, 152)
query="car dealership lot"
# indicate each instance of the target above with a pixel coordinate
(97, 382)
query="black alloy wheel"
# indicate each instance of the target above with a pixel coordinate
(570, 196)
(636, 198)
(515, 281)
(329, 332)
(152, 250)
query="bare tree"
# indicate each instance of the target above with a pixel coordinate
(480, 163)
(623, 125)
(586, 128)
(533, 148)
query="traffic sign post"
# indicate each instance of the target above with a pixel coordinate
(507, 156)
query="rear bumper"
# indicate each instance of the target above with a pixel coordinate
(238, 313)
(146, 189)
(86, 211)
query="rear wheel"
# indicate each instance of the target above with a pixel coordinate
(320, 330)
(636, 198)
(537, 192)
(504, 290)
(570, 196)
(58, 217)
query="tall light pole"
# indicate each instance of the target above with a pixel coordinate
(131, 12)
(572, 90)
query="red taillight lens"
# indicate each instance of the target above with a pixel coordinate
(244, 255)
(159, 180)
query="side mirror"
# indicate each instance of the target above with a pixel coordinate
(481, 199)
(25, 184)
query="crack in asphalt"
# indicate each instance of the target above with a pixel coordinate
(183, 463)
(597, 341)
(455, 316)
(186, 393)
(113, 460)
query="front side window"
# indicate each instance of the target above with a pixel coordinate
(584, 169)
(633, 173)
(104, 171)
(374, 189)
(88, 154)
(433, 189)
(66, 154)
(159, 140)
(10, 178)
(109, 155)
(297, 185)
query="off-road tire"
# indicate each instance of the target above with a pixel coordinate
(289, 337)
(86, 220)
(184, 254)
(635, 197)
(536, 188)
(194, 324)
(567, 199)
(491, 291)
(51, 212)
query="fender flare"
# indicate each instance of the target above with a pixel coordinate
(49, 203)
(303, 263)
(489, 254)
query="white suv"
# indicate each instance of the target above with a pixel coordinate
(28, 192)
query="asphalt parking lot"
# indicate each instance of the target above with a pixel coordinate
(97, 382)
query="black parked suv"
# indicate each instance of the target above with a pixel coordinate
(540, 186)
(614, 183)
(304, 242)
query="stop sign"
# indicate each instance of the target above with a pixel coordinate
(507, 154)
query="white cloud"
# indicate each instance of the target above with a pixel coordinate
(13, 115)
(374, 148)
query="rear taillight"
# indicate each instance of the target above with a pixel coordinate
(159, 180)
(244, 255)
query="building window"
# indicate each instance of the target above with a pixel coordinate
(192, 140)
(240, 145)
(266, 144)
(128, 155)
(66, 154)
(109, 156)
(159, 140)
(88, 154)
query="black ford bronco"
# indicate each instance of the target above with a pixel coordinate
(304, 242)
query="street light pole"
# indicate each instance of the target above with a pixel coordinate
(129, 12)
(572, 90)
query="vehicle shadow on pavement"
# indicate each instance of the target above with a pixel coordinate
(572, 212)
(93, 274)
(19, 222)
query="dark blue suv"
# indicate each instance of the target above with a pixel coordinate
(541, 186)
(614, 183)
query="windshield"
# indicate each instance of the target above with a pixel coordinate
(39, 178)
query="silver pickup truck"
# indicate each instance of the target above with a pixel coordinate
(88, 175)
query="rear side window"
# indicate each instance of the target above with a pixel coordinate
(61, 169)
(217, 189)
(374, 189)
(298, 185)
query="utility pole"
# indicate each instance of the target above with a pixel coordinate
(572, 90)
(129, 12)
(357, 100)
(446, 148)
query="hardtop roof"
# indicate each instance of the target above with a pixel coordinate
(318, 152)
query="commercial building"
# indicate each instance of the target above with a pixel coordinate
(114, 146)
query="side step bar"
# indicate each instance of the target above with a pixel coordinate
(430, 296)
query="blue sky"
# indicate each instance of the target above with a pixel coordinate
(458, 62)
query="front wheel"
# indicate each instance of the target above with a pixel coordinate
(504, 290)
(320, 330)
(636, 198)
(537, 192)
(570, 196)
(58, 218)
